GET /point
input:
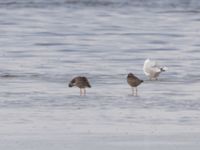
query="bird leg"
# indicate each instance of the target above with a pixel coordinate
(132, 91)
(136, 91)
(80, 92)
(84, 91)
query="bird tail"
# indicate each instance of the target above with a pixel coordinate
(89, 85)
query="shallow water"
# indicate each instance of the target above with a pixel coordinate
(43, 45)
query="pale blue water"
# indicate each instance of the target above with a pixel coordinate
(44, 44)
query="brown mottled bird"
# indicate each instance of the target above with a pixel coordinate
(133, 81)
(81, 82)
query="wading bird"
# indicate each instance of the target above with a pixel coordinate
(152, 70)
(81, 82)
(133, 81)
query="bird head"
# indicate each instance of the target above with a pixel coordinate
(130, 75)
(70, 84)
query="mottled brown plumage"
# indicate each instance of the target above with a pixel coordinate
(81, 82)
(133, 81)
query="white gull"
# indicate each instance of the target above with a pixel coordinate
(152, 70)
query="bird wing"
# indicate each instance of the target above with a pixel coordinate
(86, 81)
(150, 67)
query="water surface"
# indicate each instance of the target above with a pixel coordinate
(43, 45)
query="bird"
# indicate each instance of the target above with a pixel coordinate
(152, 70)
(133, 81)
(81, 82)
